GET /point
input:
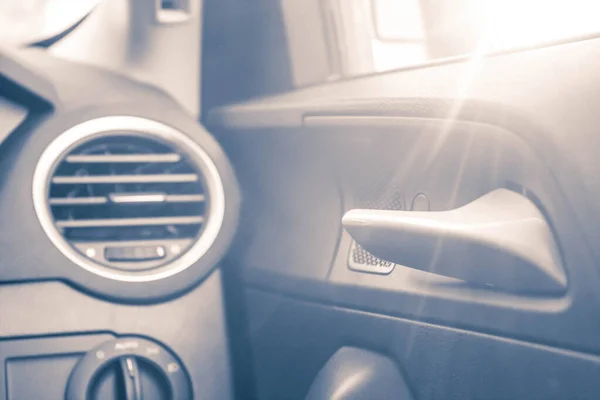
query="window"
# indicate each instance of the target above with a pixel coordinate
(380, 35)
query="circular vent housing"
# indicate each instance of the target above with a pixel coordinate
(129, 198)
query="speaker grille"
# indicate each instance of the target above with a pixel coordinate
(361, 260)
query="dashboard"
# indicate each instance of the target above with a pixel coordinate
(426, 232)
(117, 205)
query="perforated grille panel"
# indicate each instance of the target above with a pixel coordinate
(360, 259)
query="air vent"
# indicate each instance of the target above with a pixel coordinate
(129, 203)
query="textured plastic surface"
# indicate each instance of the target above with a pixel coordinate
(438, 362)
(191, 326)
(106, 94)
(11, 115)
(48, 373)
(549, 108)
(379, 160)
(39, 368)
(453, 132)
(293, 180)
(500, 239)
(357, 374)
(17, 76)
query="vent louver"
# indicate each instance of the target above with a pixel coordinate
(128, 202)
(128, 189)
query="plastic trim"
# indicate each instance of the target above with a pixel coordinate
(114, 125)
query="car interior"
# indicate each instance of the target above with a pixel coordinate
(299, 199)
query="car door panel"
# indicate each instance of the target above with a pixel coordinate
(293, 339)
(523, 121)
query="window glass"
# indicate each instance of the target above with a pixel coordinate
(401, 33)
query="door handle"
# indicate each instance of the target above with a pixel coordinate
(500, 239)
